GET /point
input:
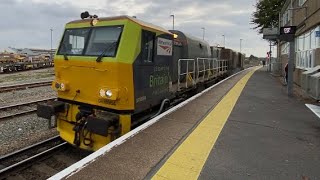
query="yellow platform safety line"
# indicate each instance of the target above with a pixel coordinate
(189, 158)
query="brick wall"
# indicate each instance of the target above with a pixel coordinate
(306, 18)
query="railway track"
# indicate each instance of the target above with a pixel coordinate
(24, 86)
(39, 161)
(20, 108)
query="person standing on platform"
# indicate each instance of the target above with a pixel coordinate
(286, 73)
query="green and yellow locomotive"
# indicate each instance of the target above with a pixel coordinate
(113, 73)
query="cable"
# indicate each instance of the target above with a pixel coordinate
(161, 107)
(77, 92)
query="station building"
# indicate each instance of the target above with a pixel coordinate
(305, 15)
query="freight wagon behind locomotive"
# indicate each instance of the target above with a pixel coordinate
(235, 59)
(114, 73)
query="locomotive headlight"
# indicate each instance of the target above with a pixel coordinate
(56, 85)
(94, 22)
(109, 93)
(62, 86)
(102, 92)
(59, 86)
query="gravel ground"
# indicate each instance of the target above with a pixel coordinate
(23, 131)
(27, 76)
(26, 95)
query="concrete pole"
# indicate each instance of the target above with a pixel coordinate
(172, 15)
(270, 57)
(224, 40)
(51, 44)
(51, 39)
(290, 69)
(204, 29)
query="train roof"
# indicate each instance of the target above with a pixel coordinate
(124, 17)
(189, 37)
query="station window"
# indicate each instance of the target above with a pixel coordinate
(148, 42)
(285, 48)
(286, 17)
(301, 2)
(306, 44)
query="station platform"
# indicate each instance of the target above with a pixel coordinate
(245, 127)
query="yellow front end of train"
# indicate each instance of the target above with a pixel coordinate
(94, 80)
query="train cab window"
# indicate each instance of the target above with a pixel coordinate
(73, 41)
(91, 41)
(148, 40)
(104, 40)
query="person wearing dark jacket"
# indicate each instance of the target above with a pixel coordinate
(286, 71)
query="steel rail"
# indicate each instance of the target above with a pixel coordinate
(26, 103)
(30, 158)
(24, 86)
(2, 108)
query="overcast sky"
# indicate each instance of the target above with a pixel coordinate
(27, 23)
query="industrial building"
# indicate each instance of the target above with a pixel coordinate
(30, 51)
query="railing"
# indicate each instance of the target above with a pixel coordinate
(202, 69)
(223, 66)
(208, 69)
(187, 73)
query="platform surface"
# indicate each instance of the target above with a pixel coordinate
(267, 136)
(244, 128)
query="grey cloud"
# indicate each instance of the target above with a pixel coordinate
(29, 23)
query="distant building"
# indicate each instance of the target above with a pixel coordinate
(305, 15)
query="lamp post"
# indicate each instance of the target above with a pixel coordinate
(51, 44)
(172, 15)
(51, 39)
(224, 40)
(203, 32)
(241, 45)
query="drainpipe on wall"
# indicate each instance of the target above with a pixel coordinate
(278, 50)
(291, 14)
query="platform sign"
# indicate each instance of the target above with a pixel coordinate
(270, 33)
(287, 33)
(288, 30)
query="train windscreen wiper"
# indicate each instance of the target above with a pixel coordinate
(65, 56)
(112, 45)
